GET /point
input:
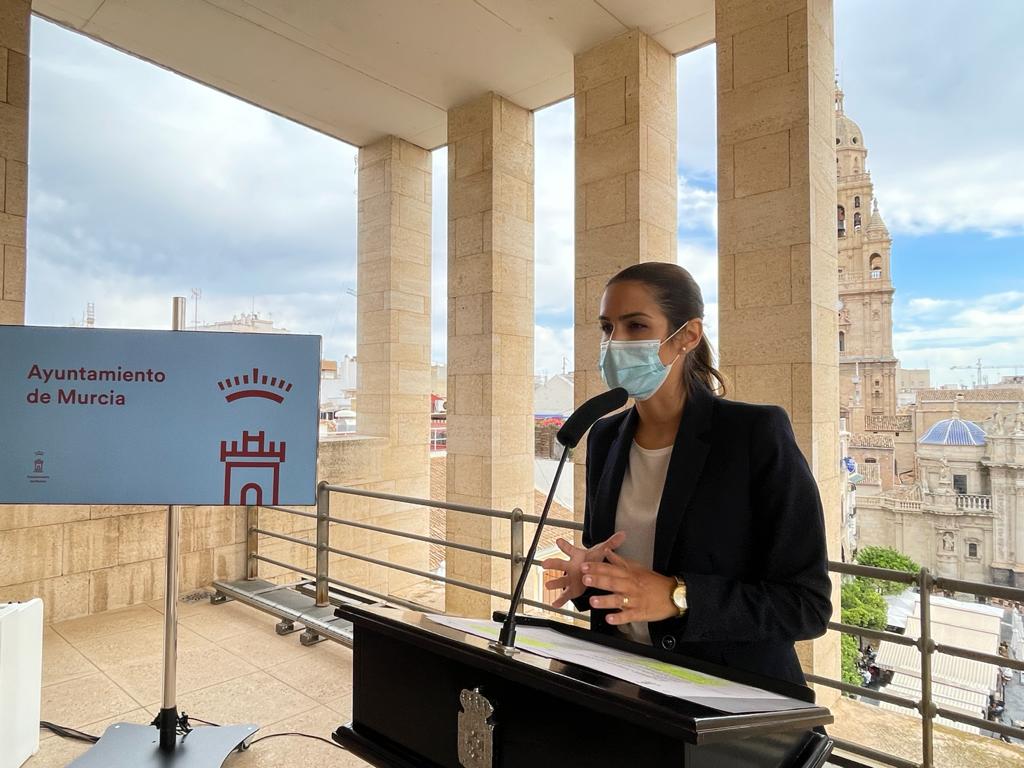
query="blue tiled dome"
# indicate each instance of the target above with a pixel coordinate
(955, 431)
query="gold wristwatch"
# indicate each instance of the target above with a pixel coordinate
(679, 595)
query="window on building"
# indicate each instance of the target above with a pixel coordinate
(856, 201)
(960, 483)
(876, 266)
(870, 460)
(856, 221)
(972, 549)
(841, 216)
(842, 342)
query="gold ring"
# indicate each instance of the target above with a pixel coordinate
(625, 601)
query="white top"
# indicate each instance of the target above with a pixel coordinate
(637, 513)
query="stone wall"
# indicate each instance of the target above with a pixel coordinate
(83, 559)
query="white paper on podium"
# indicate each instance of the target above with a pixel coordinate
(655, 675)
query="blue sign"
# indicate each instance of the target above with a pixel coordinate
(90, 416)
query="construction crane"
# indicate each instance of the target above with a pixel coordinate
(979, 368)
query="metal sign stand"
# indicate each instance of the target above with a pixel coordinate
(174, 742)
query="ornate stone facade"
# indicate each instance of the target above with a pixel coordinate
(964, 517)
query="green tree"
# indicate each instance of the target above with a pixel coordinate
(885, 557)
(851, 675)
(862, 606)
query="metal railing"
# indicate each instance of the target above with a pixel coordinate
(927, 647)
(517, 519)
(322, 579)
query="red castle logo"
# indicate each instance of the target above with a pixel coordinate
(254, 457)
(256, 386)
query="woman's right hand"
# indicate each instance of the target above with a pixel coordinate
(571, 582)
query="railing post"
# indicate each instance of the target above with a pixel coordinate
(927, 647)
(516, 547)
(323, 541)
(252, 542)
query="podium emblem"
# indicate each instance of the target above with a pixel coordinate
(476, 732)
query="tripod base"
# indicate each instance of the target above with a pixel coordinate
(127, 745)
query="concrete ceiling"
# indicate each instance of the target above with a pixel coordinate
(362, 69)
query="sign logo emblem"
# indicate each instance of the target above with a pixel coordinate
(476, 732)
(254, 464)
(37, 475)
(255, 385)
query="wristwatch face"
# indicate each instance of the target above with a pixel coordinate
(679, 597)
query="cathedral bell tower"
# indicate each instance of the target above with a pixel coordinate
(867, 366)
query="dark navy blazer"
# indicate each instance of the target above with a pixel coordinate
(740, 521)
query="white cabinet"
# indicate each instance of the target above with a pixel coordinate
(21, 669)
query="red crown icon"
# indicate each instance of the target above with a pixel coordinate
(257, 386)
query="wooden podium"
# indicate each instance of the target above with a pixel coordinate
(428, 696)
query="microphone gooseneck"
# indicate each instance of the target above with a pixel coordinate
(569, 435)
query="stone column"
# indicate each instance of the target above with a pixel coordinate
(490, 334)
(625, 92)
(393, 340)
(778, 281)
(14, 43)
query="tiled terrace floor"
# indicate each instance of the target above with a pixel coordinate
(232, 668)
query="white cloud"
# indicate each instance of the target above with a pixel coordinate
(138, 301)
(961, 194)
(554, 240)
(144, 185)
(696, 107)
(698, 207)
(552, 348)
(924, 305)
(701, 261)
(942, 333)
(164, 185)
(943, 131)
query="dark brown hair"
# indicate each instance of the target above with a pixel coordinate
(679, 298)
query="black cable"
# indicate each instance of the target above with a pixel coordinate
(68, 733)
(194, 719)
(296, 733)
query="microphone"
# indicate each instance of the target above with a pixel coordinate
(583, 418)
(569, 435)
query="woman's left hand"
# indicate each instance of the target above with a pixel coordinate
(637, 593)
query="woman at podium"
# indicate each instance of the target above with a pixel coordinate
(703, 530)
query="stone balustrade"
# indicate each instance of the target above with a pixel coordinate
(974, 502)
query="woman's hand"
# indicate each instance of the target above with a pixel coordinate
(571, 583)
(638, 593)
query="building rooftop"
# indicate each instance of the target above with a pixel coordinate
(868, 440)
(1011, 395)
(955, 431)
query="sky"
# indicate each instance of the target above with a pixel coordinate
(144, 185)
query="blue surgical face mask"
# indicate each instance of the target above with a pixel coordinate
(634, 365)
